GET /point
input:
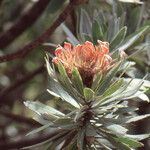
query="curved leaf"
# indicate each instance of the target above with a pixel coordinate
(130, 40)
(119, 37)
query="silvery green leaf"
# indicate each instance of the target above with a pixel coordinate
(90, 131)
(119, 145)
(63, 121)
(138, 137)
(106, 109)
(63, 72)
(50, 44)
(112, 121)
(57, 88)
(118, 38)
(57, 139)
(70, 35)
(134, 86)
(106, 81)
(88, 94)
(122, 95)
(39, 129)
(72, 145)
(143, 96)
(111, 25)
(66, 140)
(77, 80)
(96, 81)
(71, 90)
(132, 72)
(67, 84)
(80, 139)
(70, 141)
(100, 111)
(146, 83)
(40, 109)
(131, 1)
(53, 134)
(126, 110)
(113, 88)
(96, 32)
(104, 146)
(137, 118)
(41, 120)
(53, 93)
(117, 129)
(139, 95)
(79, 115)
(69, 126)
(49, 68)
(128, 141)
(126, 65)
(116, 25)
(133, 38)
(85, 23)
(35, 146)
(123, 88)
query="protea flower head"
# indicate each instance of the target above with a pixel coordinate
(87, 58)
(94, 110)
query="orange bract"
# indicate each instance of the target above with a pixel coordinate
(87, 58)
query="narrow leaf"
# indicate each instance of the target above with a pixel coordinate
(55, 87)
(106, 81)
(70, 35)
(88, 94)
(97, 32)
(67, 84)
(40, 108)
(96, 81)
(49, 68)
(77, 80)
(39, 129)
(118, 38)
(130, 142)
(137, 118)
(53, 93)
(80, 139)
(133, 38)
(122, 93)
(113, 88)
(117, 129)
(139, 137)
(119, 145)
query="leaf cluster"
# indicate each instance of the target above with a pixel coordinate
(95, 117)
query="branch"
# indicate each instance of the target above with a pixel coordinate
(42, 38)
(21, 81)
(20, 119)
(23, 23)
(1, 1)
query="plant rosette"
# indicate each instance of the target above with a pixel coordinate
(93, 96)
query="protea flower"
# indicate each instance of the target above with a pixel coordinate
(87, 58)
(94, 107)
